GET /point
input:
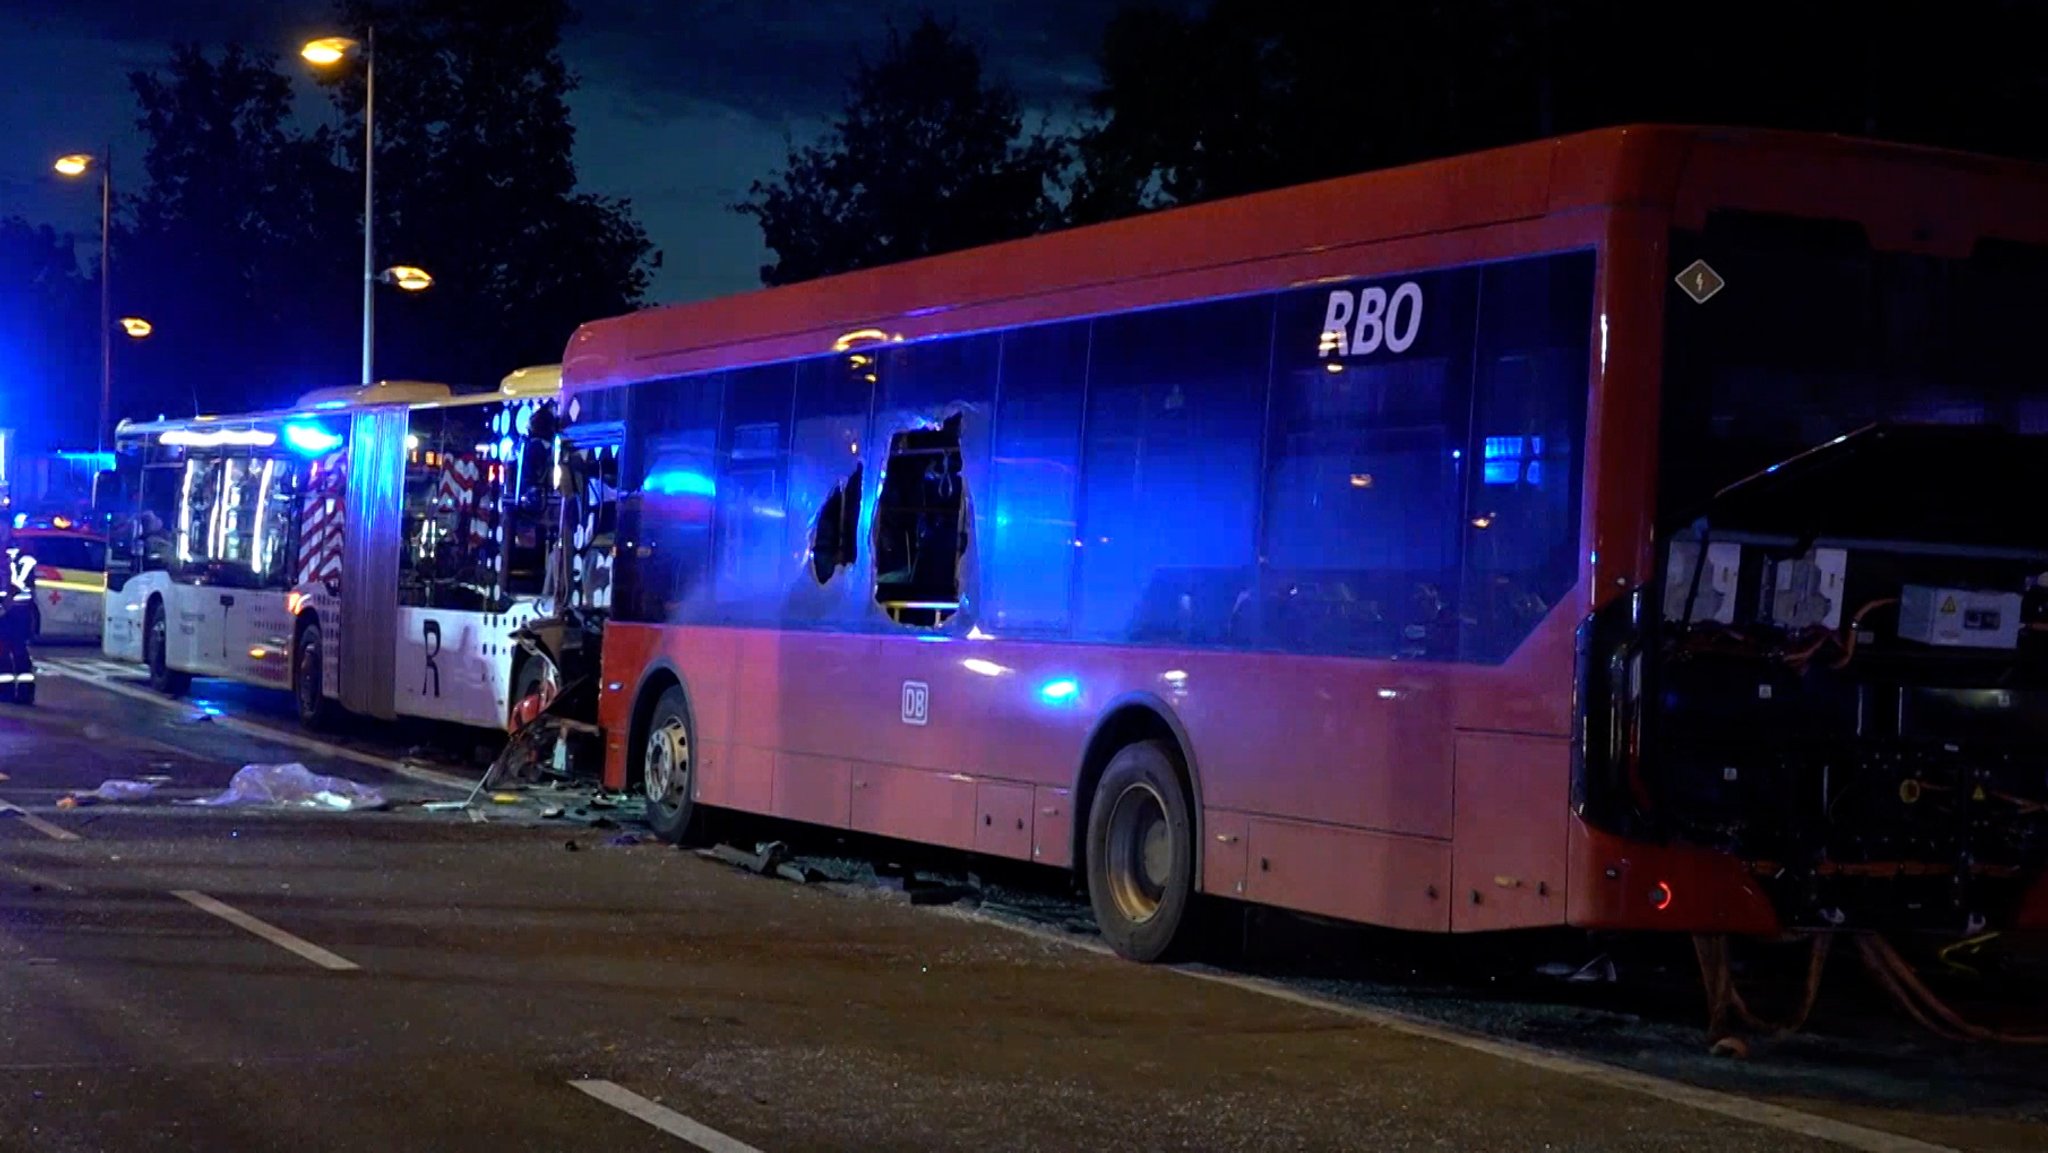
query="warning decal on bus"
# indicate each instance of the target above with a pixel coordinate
(1700, 281)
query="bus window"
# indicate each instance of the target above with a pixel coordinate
(532, 505)
(921, 519)
(235, 526)
(1169, 480)
(1529, 423)
(1365, 467)
(826, 485)
(752, 571)
(1028, 573)
(448, 554)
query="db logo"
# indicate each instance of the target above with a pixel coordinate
(917, 702)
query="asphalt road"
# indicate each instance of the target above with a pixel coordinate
(176, 977)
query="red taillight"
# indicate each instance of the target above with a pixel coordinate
(46, 573)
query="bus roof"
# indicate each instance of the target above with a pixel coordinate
(534, 380)
(1060, 275)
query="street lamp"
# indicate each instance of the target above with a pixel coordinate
(407, 278)
(136, 327)
(74, 165)
(326, 52)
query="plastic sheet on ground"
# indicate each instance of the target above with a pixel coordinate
(118, 789)
(292, 786)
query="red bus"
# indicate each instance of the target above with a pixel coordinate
(1542, 537)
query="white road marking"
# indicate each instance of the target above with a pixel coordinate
(37, 823)
(662, 1117)
(1551, 1061)
(268, 733)
(265, 930)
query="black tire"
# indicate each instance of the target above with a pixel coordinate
(309, 679)
(1141, 855)
(671, 803)
(155, 643)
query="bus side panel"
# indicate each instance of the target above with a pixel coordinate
(1376, 878)
(457, 666)
(193, 629)
(807, 700)
(1508, 860)
(122, 636)
(707, 661)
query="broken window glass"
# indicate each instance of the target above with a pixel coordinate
(833, 395)
(921, 526)
(838, 526)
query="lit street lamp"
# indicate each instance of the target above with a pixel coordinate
(408, 278)
(74, 165)
(326, 52)
(136, 327)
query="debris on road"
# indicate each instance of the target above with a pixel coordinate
(292, 786)
(119, 789)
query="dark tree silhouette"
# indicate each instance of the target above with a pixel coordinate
(49, 362)
(1254, 94)
(236, 246)
(477, 185)
(928, 155)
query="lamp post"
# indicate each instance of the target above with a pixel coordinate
(77, 164)
(326, 52)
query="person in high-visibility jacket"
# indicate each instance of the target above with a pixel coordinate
(17, 615)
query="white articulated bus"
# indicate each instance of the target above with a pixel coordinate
(371, 549)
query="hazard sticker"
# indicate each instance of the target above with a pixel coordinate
(1948, 605)
(1700, 281)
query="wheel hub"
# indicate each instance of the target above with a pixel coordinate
(667, 763)
(1140, 852)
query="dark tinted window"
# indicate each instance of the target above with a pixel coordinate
(1028, 570)
(1169, 507)
(1364, 466)
(753, 568)
(1528, 435)
(65, 552)
(1814, 333)
(669, 477)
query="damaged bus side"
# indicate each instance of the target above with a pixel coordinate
(1308, 550)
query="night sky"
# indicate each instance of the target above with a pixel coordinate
(681, 104)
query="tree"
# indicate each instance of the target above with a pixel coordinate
(1254, 94)
(476, 183)
(231, 249)
(48, 359)
(928, 155)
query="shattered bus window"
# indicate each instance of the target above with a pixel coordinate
(921, 526)
(834, 537)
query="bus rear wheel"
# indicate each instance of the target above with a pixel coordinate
(1141, 854)
(667, 764)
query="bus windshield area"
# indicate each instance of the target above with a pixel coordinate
(1813, 334)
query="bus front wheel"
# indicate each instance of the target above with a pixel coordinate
(156, 636)
(309, 673)
(1141, 858)
(667, 770)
